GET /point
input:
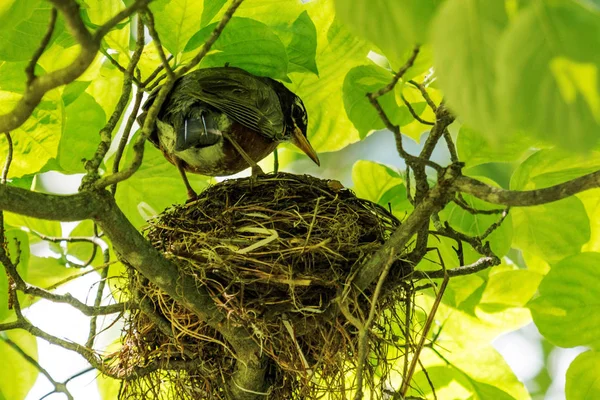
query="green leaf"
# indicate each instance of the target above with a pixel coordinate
(338, 51)
(505, 296)
(551, 231)
(245, 43)
(465, 37)
(535, 228)
(591, 202)
(329, 128)
(106, 87)
(12, 76)
(566, 311)
(100, 11)
(47, 271)
(372, 180)
(45, 227)
(211, 8)
(73, 90)
(300, 40)
(393, 26)
(17, 375)
(176, 22)
(583, 382)
(551, 167)
(36, 141)
(548, 66)
(475, 148)
(22, 28)
(367, 79)
(155, 186)
(84, 119)
(382, 185)
(478, 371)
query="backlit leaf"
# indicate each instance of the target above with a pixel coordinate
(84, 119)
(548, 65)
(176, 21)
(246, 43)
(582, 377)
(393, 26)
(566, 310)
(17, 375)
(465, 37)
(36, 141)
(368, 79)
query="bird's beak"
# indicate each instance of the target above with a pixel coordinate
(300, 141)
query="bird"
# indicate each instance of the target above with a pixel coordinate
(221, 120)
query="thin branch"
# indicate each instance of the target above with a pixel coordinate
(30, 68)
(479, 265)
(212, 39)
(139, 95)
(425, 94)
(462, 203)
(364, 329)
(516, 198)
(58, 386)
(451, 146)
(495, 225)
(98, 299)
(74, 277)
(156, 72)
(119, 66)
(438, 299)
(125, 13)
(413, 112)
(92, 165)
(443, 118)
(390, 86)
(71, 239)
(138, 146)
(149, 22)
(9, 157)
(373, 99)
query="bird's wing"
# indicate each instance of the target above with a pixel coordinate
(242, 96)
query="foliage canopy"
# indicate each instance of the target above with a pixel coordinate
(509, 89)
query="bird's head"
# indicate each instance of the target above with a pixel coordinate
(297, 125)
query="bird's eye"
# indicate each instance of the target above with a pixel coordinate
(299, 114)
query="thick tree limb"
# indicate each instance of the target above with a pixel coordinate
(436, 199)
(137, 251)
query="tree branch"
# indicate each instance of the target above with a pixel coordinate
(58, 387)
(479, 265)
(135, 250)
(435, 200)
(516, 198)
(30, 68)
(212, 39)
(35, 90)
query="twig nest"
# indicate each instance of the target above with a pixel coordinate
(274, 253)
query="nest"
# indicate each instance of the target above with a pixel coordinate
(274, 254)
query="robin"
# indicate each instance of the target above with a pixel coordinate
(220, 121)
